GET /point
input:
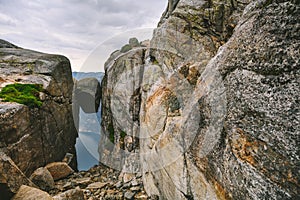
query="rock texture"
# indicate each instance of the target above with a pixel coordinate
(11, 177)
(59, 170)
(33, 137)
(42, 178)
(30, 193)
(210, 110)
(99, 182)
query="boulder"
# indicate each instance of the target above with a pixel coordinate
(11, 177)
(30, 193)
(133, 42)
(43, 179)
(87, 94)
(43, 131)
(59, 170)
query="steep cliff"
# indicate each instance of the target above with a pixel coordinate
(211, 109)
(36, 122)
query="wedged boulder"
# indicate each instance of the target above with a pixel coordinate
(59, 170)
(87, 94)
(43, 179)
(37, 129)
(30, 193)
(11, 177)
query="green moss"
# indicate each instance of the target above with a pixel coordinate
(27, 94)
(123, 134)
(111, 132)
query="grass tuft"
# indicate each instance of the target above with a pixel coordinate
(26, 94)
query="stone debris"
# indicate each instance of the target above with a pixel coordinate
(99, 182)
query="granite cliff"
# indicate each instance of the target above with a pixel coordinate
(210, 110)
(36, 122)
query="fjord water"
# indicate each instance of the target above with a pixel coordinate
(89, 131)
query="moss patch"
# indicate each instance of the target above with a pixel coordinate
(27, 94)
(111, 132)
(123, 134)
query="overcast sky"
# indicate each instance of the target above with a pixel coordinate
(75, 28)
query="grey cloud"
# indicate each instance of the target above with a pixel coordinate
(77, 25)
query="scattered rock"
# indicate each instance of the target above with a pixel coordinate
(129, 195)
(118, 184)
(59, 170)
(107, 185)
(73, 194)
(30, 193)
(127, 177)
(43, 179)
(97, 185)
(135, 189)
(134, 182)
(83, 181)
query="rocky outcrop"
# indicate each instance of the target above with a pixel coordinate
(210, 110)
(37, 134)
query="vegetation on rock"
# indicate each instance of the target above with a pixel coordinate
(27, 94)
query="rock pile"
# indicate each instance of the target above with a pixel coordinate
(99, 182)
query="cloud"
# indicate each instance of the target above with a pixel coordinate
(73, 27)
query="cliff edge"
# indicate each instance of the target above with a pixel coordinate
(210, 109)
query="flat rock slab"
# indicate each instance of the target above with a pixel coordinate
(59, 170)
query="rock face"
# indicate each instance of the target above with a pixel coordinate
(35, 136)
(210, 110)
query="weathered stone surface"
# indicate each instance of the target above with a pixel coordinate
(211, 109)
(30, 193)
(59, 170)
(11, 177)
(73, 194)
(33, 137)
(42, 178)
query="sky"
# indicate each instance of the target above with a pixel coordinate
(86, 31)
